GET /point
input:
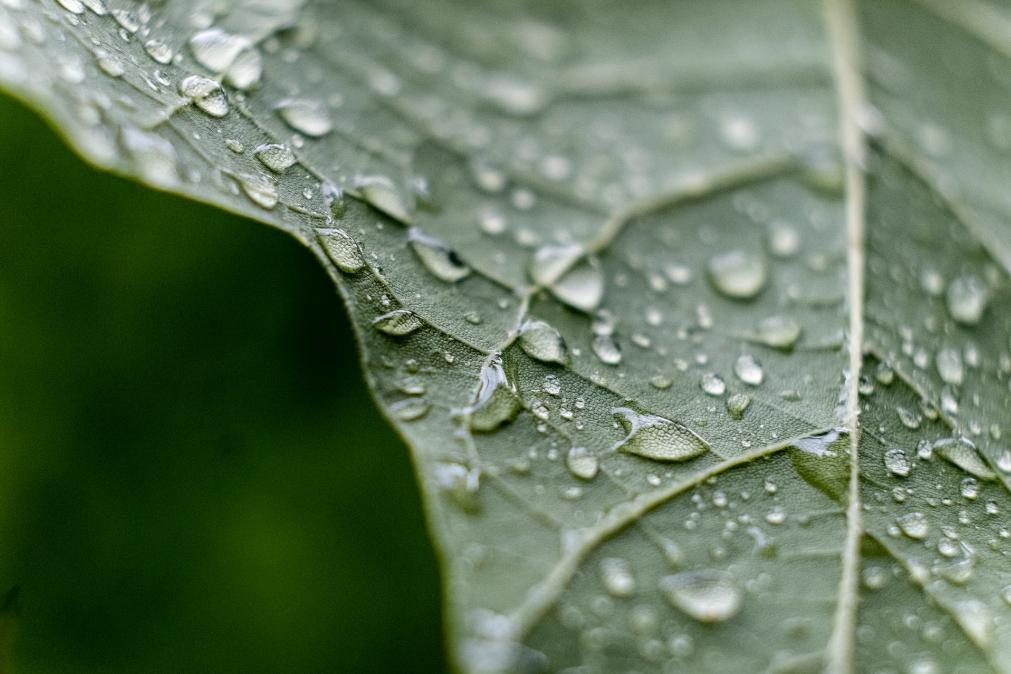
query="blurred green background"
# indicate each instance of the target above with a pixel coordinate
(193, 477)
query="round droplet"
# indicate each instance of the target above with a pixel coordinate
(206, 94)
(438, 258)
(398, 322)
(713, 384)
(261, 190)
(914, 525)
(541, 341)
(276, 157)
(779, 332)
(949, 366)
(616, 574)
(657, 438)
(606, 349)
(784, 239)
(749, 370)
(737, 403)
(737, 274)
(341, 249)
(897, 462)
(306, 116)
(707, 595)
(967, 298)
(582, 463)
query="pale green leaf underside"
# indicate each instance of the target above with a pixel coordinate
(684, 159)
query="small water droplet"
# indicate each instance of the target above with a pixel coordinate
(438, 258)
(582, 463)
(909, 419)
(616, 574)
(541, 341)
(73, 6)
(341, 249)
(963, 454)
(497, 402)
(707, 595)
(398, 322)
(260, 189)
(737, 403)
(109, 63)
(276, 157)
(308, 117)
(914, 525)
(382, 194)
(459, 483)
(154, 156)
(606, 349)
(246, 70)
(779, 332)
(713, 384)
(217, 50)
(159, 51)
(206, 94)
(661, 382)
(410, 409)
(949, 365)
(737, 273)
(897, 462)
(784, 239)
(657, 438)
(749, 370)
(967, 298)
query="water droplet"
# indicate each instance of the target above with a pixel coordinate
(949, 366)
(976, 619)
(784, 239)
(969, 488)
(963, 454)
(914, 525)
(441, 260)
(541, 341)
(341, 249)
(749, 370)
(497, 402)
(737, 274)
(206, 94)
(305, 116)
(779, 332)
(897, 462)
(909, 419)
(159, 51)
(513, 96)
(459, 483)
(967, 298)
(713, 384)
(398, 322)
(246, 71)
(153, 156)
(582, 463)
(109, 63)
(73, 6)
(260, 189)
(661, 382)
(606, 349)
(737, 403)
(382, 194)
(276, 157)
(217, 50)
(657, 438)
(874, 577)
(333, 196)
(616, 574)
(410, 409)
(707, 595)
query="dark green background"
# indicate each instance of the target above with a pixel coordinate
(193, 477)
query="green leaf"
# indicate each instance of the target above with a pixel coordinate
(696, 316)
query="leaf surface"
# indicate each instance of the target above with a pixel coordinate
(695, 316)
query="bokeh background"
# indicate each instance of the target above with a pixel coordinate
(193, 477)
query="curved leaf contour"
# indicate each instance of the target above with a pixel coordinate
(695, 315)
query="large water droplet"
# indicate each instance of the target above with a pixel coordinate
(276, 157)
(217, 50)
(206, 94)
(713, 384)
(963, 454)
(616, 574)
(582, 463)
(341, 249)
(497, 401)
(551, 260)
(606, 349)
(749, 370)
(382, 194)
(541, 341)
(306, 116)
(737, 273)
(398, 322)
(914, 525)
(707, 595)
(441, 260)
(897, 462)
(657, 438)
(967, 299)
(246, 71)
(261, 190)
(582, 287)
(779, 332)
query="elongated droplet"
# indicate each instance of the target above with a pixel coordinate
(382, 194)
(541, 341)
(749, 370)
(582, 287)
(216, 50)
(914, 525)
(897, 462)
(606, 349)
(707, 595)
(779, 332)
(967, 298)
(976, 618)
(159, 51)
(582, 463)
(963, 454)
(550, 261)
(398, 322)
(206, 94)
(246, 71)
(497, 402)
(713, 384)
(616, 574)
(737, 273)
(438, 258)
(306, 116)
(656, 438)
(410, 409)
(276, 157)
(261, 190)
(341, 249)
(949, 366)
